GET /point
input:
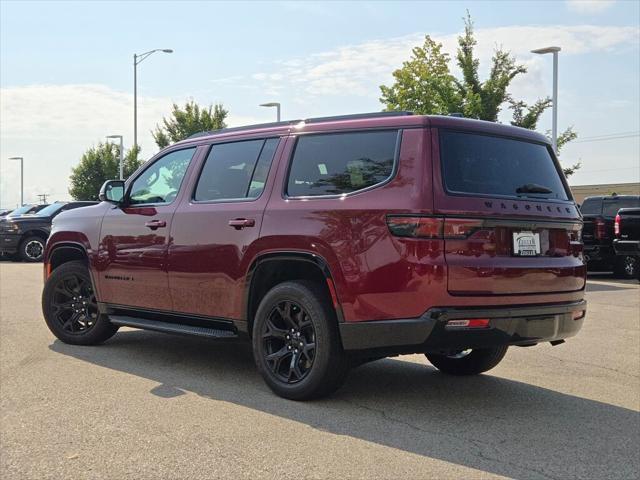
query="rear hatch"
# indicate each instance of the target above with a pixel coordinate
(510, 225)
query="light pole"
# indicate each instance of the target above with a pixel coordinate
(273, 104)
(554, 124)
(121, 154)
(21, 178)
(136, 60)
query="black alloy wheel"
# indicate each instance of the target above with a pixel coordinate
(74, 304)
(289, 338)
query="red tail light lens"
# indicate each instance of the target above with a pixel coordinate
(432, 227)
(458, 228)
(418, 227)
(600, 229)
(616, 226)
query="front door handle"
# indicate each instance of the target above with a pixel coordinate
(155, 224)
(240, 223)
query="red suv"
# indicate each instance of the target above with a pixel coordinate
(329, 242)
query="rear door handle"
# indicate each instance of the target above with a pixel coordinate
(240, 223)
(155, 224)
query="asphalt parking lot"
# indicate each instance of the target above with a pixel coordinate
(149, 405)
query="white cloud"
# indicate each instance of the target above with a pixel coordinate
(52, 125)
(589, 6)
(359, 69)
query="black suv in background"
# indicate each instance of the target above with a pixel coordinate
(598, 233)
(27, 234)
(24, 210)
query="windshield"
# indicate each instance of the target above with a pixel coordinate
(50, 210)
(488, 165)
(21, 210)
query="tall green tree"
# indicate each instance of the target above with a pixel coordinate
(97, 165)
(425, 85)
(186, 121)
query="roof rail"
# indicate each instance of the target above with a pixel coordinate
(285, 123)
(357, 116)
(245, 127)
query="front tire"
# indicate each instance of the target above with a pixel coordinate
(32, 249)
(70, 308)
(296, 344)
(468, 362)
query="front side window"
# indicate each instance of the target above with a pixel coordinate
(235, 170)
(488, 165)
(339, 163)
(160, 183)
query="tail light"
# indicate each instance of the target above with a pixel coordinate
(575, 242)
(432, 227)
(616, 226)
(418, 227)
(600, 229)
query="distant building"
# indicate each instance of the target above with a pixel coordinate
(580, 192)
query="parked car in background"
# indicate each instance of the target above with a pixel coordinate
(25, 210)
(330, 242)
(26, 234)
(627, 241)
(598, 234)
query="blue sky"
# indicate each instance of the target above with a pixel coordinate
(66, 73)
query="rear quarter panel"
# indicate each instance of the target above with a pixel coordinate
(377, 276)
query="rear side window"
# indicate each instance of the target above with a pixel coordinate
(338, 163)
(487, 165)
(235, 170)
(610, 207)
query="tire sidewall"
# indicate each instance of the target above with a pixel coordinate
(326, 345)
(23, 249)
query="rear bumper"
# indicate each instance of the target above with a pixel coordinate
(9, 243)
(627, 247)
(507, 326)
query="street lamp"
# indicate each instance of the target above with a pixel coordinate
(273, 104)
(121, 154)
(21, 178)
(136, 60)
(554, 124)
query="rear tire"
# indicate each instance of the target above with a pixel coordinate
(467, 362)
(627, 266)
(296, 343)
(70, 308)
(32, 249)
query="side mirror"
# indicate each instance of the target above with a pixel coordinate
(112, 191)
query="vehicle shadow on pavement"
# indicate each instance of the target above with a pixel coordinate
(488, 423)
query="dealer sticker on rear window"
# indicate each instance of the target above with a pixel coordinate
(526, 244)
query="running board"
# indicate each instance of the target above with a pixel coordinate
(167, 327)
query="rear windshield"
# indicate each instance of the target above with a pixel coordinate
(591, 206)
(610, 207)
(487, 165)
